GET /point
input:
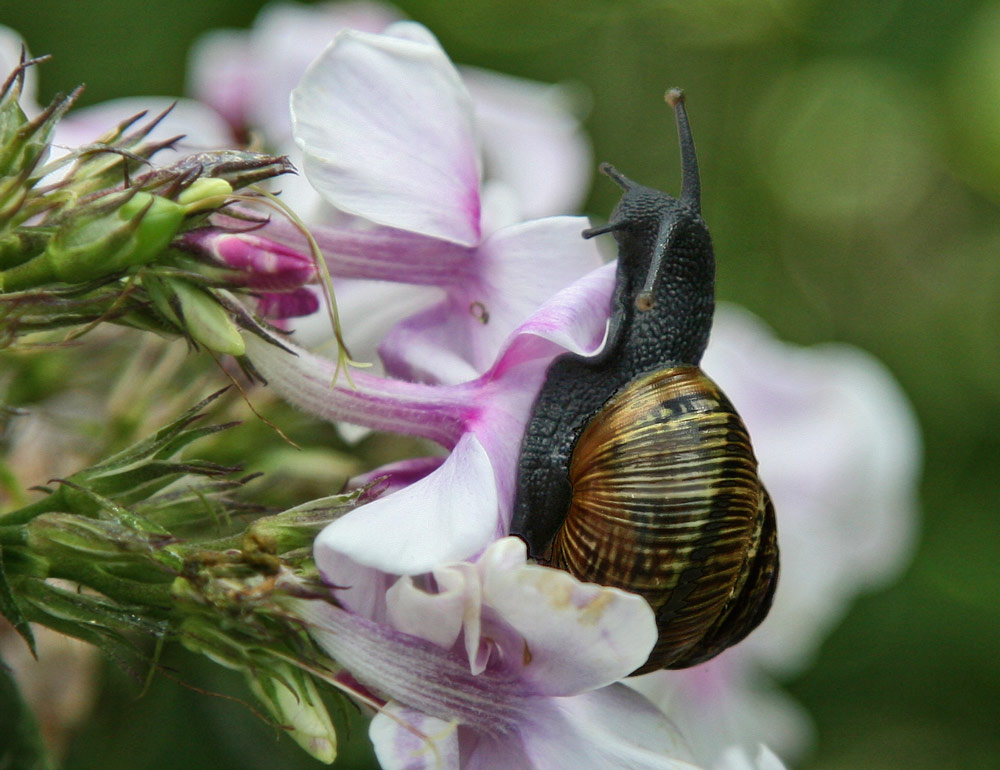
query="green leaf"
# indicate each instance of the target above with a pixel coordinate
(11, 610)
(21, 743)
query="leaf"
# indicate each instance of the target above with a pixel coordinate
(21, 743)
(11, 610)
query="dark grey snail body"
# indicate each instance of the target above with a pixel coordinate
(635, 469)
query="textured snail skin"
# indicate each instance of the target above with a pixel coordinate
(635, 469)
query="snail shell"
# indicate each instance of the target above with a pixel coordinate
(666, 503)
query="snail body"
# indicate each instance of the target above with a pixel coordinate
(635, 469)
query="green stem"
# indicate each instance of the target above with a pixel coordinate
(47, 504)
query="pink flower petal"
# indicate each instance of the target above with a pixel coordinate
(523, 267)
(385, 126)
(398, 475)
(520, 268)
(307, 380)
(573, 320)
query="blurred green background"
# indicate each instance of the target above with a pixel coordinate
(850, 159)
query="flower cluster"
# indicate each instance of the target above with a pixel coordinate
(91, 230)
(422, 185)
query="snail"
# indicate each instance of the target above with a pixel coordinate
(635, 469)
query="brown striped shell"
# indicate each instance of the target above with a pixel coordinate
(667, 504)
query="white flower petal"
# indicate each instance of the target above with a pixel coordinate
(498, 754)
(521, 268)
(447, 516)
(432, 345)
(437, 617)
(737, 758)
(11, 45)
(405, 739)
(724, 702)
(613, 728)
(532, 141)
(385, 126)
(223, 73)
(358, 588)
(577, 636)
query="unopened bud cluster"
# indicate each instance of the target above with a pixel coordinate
(100, 234)
(160, 547)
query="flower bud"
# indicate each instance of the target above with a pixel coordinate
(258, 262)
(200, 313)
(96, 242)
(63, 536)
(288, 694)
(24, 143)
(292, 698)
(292, 304)
(204, 194)
(297, 527)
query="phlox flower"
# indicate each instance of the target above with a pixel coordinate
(497, 664)
(392, 137)
(388, 134)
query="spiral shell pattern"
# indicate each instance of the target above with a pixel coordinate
(667, 504)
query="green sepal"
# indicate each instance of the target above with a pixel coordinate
(297, 527)
(117, 232)
(104, 623)
(62, 536)
(112, 475)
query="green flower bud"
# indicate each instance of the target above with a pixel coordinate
(205, 319)
(65, 535)
(86, 248)
(297, 527)
(288, 694)
(24, 143)
(204, 194)
(292, 698)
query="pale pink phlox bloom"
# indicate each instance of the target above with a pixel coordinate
(498, 664)
(390, 134)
